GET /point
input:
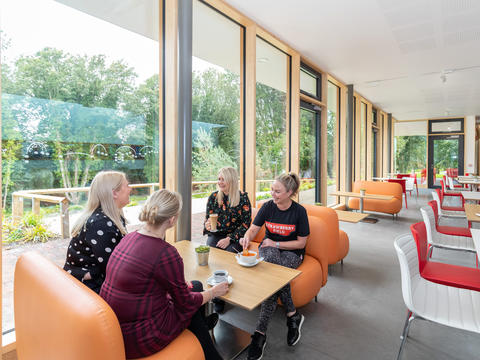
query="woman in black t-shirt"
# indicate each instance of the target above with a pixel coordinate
(286, 225)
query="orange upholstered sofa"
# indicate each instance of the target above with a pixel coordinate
(58, 318)
(379, 188)
(314, 267)
(337, 240)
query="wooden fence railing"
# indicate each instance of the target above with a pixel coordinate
(45, 195)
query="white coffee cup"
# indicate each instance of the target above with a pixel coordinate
(220, 276)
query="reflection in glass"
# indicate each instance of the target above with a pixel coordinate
(74, 103)
(445, 158)
(332, 154)
(308, 163)
(308, 82)
(216, 121)
(271, 116)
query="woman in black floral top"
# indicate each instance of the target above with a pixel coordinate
(99, 229)
(233, 209)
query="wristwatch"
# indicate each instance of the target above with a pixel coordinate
(278, 245)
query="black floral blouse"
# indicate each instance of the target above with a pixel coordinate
(232, 221)
(90, 250)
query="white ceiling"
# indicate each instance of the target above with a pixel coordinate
(394, 52)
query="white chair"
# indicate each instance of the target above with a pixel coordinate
(447, 213)
(446, 305)
(437, 239)
(409, 185)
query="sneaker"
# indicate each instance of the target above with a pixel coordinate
(255, 350)
(211, 320)
(294, 324)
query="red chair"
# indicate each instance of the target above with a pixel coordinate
(402, 183)
(445, 207)
(440, 273)
(451, 193)
(448, 230)
(423, 176)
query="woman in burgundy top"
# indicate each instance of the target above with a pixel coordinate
(146, 288)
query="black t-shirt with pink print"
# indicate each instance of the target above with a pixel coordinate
(283, 225)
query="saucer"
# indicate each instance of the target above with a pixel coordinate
(240, 262)
(211, 280)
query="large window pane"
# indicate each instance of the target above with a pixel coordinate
(271, 116)
(216, 121)
(411, 156)
(308, 151)
(332, 153)
(79, 95)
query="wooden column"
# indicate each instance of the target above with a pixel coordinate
(250, 109)
(294, 163)
(171, 100)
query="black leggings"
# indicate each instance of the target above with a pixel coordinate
(199, 328)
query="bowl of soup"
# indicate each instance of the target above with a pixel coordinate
(248, 257)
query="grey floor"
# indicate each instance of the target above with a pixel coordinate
(360, 312)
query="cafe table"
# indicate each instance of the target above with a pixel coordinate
(470, 181)
(471, 195)
(250, 287)
(348, 194)
(471, 210)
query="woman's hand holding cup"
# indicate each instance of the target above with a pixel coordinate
(220, 289)
(208, 226)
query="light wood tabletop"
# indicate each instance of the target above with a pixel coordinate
(358, 195)
(471, 210)
(251, 285)
(350, 216)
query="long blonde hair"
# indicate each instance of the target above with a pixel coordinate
(161, 206)
(230, 175)
(101, 194)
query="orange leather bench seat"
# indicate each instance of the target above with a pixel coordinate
(58, 318)
(379, 188)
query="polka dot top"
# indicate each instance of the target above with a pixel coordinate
(90, 250)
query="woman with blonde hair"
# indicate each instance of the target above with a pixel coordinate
(99, 228)
(146, 287)
(286, 231)
(233, 209)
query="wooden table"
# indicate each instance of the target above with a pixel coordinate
(348, 194)
(250, 287)
(471, 195)
(470, 211)
(349, 216)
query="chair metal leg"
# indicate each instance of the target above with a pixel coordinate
(406, 328)
(341, 261)
(316, 300)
